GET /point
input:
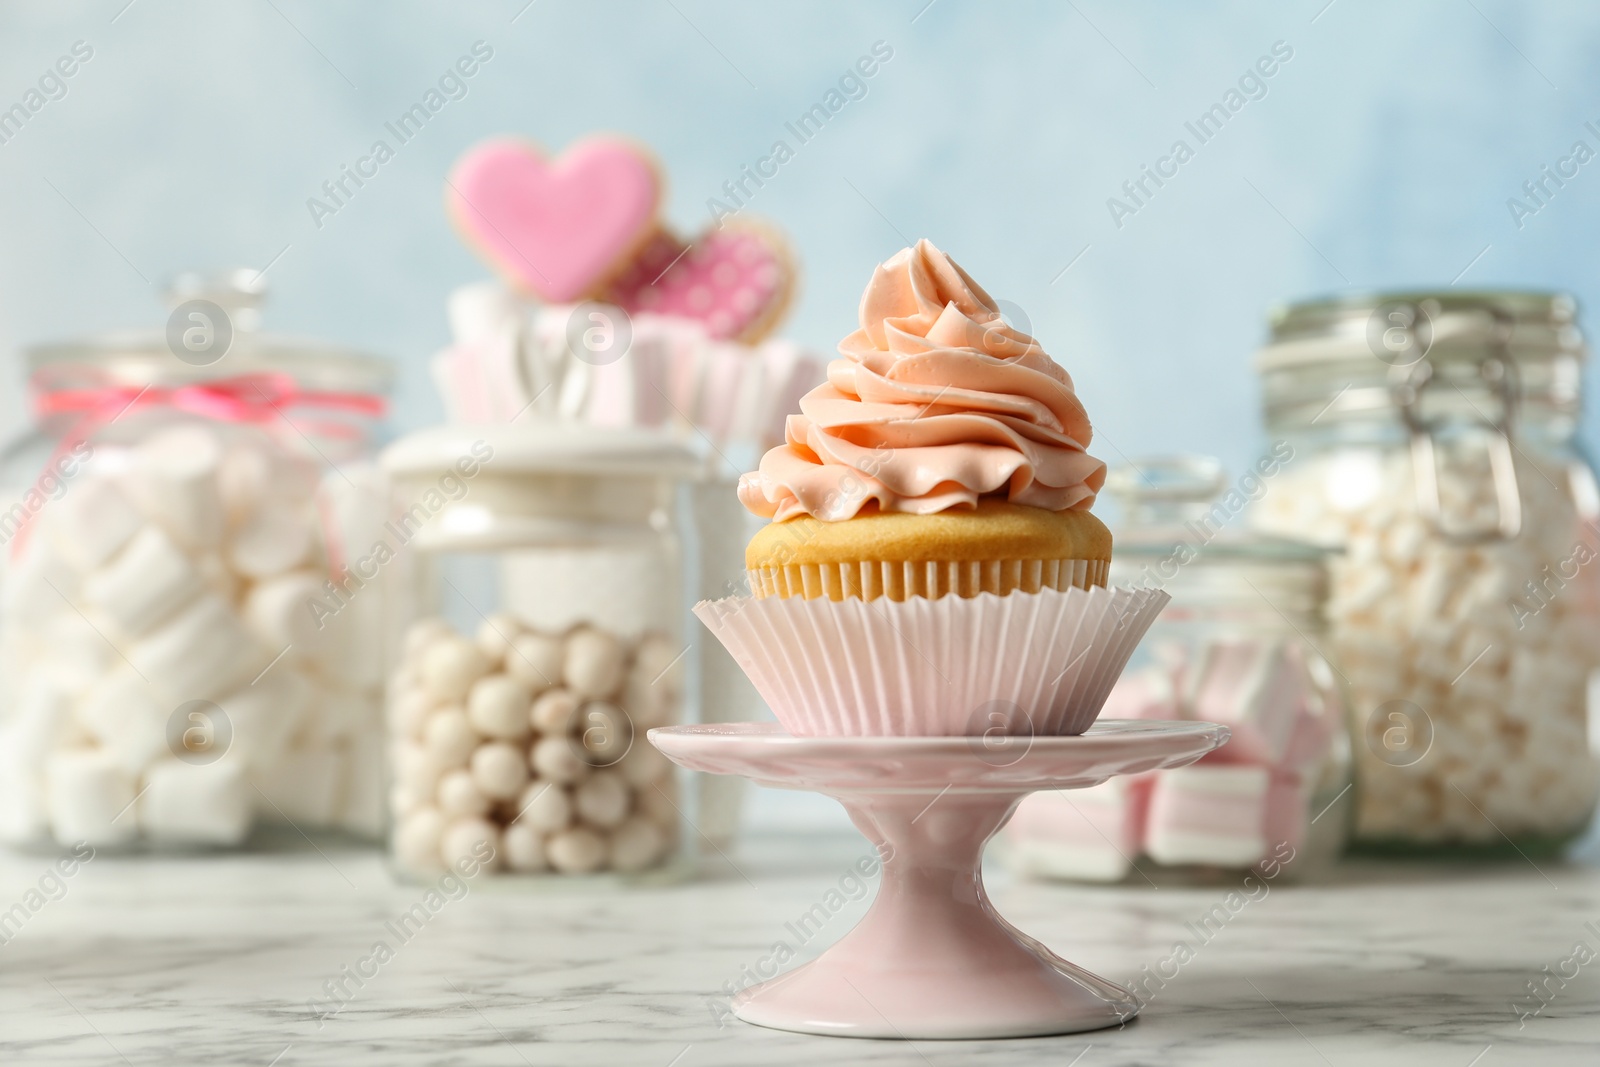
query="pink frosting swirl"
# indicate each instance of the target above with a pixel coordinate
(936, 403)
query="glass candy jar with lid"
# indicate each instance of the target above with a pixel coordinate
(1433, 437)
(172, 667)
(1240, 643)
(545, 609)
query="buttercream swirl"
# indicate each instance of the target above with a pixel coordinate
(936, 403)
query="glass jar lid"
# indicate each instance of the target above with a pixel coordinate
(213, 332)
(1182, 530)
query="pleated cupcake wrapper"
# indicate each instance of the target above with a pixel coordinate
(869, 580)
(1040, 663)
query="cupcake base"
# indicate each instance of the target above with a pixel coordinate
(868, 580)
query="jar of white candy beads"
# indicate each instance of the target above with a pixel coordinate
(1240, 643)
(179, 652)
(1433, 441)
(544, 640)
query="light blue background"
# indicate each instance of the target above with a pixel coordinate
(1382, 155)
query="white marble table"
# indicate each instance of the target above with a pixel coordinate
(212, 961)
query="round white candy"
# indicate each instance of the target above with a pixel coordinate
(544, 805)
(449, 736)
(471, 839)
(406, 799)
(557, 759)
(604, 733)
(414, 765)
(555, 712)
(536, 660)
(499, 770)
(416, 840)
(524, 848)
(636, 844)
(408, 711)
(495, 635)
(576, 851)
(498, 707)
(449, 667)
(459, 794)
(659, 663)
(602, 799)
(592, 664)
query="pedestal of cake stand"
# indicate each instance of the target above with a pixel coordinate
(932, 958)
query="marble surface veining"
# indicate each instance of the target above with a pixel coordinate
(213, 960)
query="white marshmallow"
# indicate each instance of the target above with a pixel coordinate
(592, 663)
(304, 787)
(196, 804)
(265, 715)
(175, 481)
(92, 522)
(280, 611)
(500, 770)
(90, 798)
(200, 653)
(1208, 813)
(361, 807)
(576, 851)
(498, 706)
(148, 581)
(24, 819)
(128, 719)
(273, 539)
(39, 585)
(602, 799)
(422, 633)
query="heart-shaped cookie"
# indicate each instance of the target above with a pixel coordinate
(735, 281)
(555, 228)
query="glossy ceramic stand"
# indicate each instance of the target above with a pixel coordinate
(932, 958)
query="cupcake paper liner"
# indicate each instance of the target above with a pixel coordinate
(1040, 663)
(870, 579)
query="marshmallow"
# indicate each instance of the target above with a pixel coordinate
(273, 539)
(576, 851)
(279, 611)
(1210, 814)
(89, 796)
(200, 653)
(129, 721)
(196, 804)
(1253, 688)
(450, 666)
(92, 522)
(263, 716)
(24, 819)
(148, 581)
(1088, 835)
(361, 806)
(422, 633)
(498, 707)
(175, 479)
(592, 663)
(302, 787)
(38, 585)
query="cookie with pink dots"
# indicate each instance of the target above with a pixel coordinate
(736, 280)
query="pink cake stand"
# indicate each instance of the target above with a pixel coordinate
(932, 958)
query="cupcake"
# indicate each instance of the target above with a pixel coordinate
(944, 455)
(932, 567)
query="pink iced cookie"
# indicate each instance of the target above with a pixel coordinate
(1212, 814)
(736, 281)
(556, 228)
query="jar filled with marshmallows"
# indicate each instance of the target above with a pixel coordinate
(180, 658)
(1433, 443)
(543, 638)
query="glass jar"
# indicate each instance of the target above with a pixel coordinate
(1432, 437)
(545, 609)
(173, 661)
(1240, 643)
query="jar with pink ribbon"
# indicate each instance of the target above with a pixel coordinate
(186, 651)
